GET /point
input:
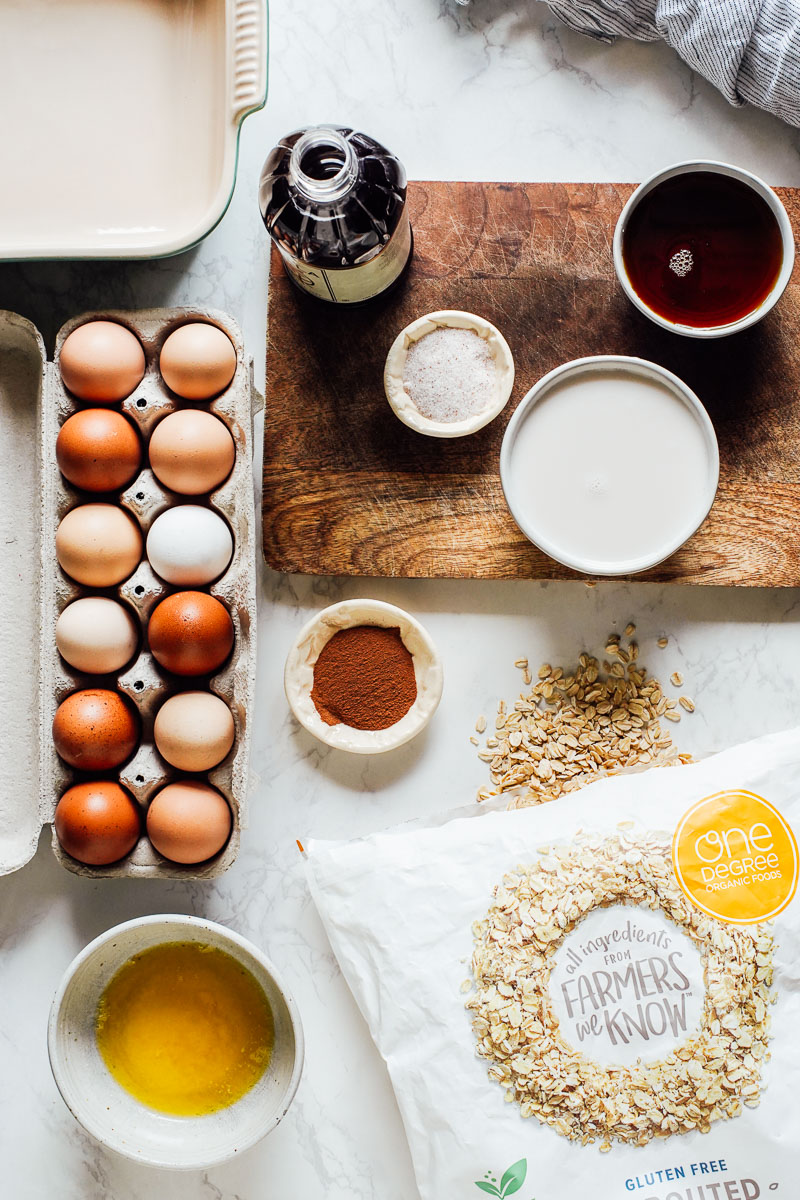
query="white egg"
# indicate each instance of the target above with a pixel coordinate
(96, 635)
(189, 545)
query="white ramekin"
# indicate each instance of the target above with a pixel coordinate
(636, 366)
(404, 407)
(108, 1112)
(776, 207)
(299, 675)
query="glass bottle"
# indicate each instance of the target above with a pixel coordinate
(334, 202)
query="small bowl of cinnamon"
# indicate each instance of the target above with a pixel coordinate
(363, 676)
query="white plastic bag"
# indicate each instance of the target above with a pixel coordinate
(631, 959)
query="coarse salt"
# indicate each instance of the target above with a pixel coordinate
(450, 374)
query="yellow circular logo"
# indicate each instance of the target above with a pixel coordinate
(735, 857)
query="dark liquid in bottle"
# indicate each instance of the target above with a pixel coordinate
(702, 249)
(334, 207)
(322, 162)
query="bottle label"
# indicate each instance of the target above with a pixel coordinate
(352, 285)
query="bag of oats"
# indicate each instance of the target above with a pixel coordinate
(598, 997)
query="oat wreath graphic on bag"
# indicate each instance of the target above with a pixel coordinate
(709, 1074)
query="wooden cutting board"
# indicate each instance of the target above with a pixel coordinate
(349, 490)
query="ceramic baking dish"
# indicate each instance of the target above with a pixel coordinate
(34, 590)
(126, 119)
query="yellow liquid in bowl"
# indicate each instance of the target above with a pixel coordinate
(185, 1028)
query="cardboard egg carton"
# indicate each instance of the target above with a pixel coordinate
(34, 678)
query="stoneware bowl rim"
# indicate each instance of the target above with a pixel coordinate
(639, 366)
(132, 936)
(778, 211)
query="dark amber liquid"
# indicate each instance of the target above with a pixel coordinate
(702, 249)
(337, 234)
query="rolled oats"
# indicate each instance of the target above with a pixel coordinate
(593, 719)
(706, 1078)
(629, 1025)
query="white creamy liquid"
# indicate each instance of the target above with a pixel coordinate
(609, 466)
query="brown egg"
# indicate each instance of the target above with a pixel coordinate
(191, 452)
(95, 729)
(101, 361)
(190, 633)
(194, 730)
(98, 450)
(188, 821)
(98, 822)
(197, 361)
(98, 544)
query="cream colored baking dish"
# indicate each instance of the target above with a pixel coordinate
(121, 121)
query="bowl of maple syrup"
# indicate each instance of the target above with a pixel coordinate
(704, 249)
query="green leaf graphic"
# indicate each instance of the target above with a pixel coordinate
(487, 1187)
(514, 1178)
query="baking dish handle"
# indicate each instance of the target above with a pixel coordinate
(249, 57)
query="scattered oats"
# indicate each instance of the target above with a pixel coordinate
(676, 679)
(686, 703)
(708, 1077)
(630, 630)
(522, 663)
(474, 741)
(662, 643)
(578, 724)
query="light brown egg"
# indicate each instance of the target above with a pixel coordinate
(190, 633)
(98, 544)
(95, 729)
(98, 822)
(194, 730)
(98, 450)
(188, 821)
(102, 361)
(197, 361)
(191, 452)
(96, 635)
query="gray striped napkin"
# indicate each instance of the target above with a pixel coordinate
(749, 49)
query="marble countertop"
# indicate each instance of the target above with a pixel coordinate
(499, 90)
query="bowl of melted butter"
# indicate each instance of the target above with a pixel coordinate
(174, 1042)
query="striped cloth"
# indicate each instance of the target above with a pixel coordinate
(749, 49)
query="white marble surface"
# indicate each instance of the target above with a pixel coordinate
(499, 90)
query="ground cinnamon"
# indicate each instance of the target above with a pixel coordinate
(364, 677)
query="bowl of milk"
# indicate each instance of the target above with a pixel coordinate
(609, 464)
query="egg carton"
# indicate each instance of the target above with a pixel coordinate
(33, 405)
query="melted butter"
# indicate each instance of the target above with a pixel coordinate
(185, 1028)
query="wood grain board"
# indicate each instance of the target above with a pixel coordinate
(349, 490)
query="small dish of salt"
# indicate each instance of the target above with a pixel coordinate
(448, 374)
